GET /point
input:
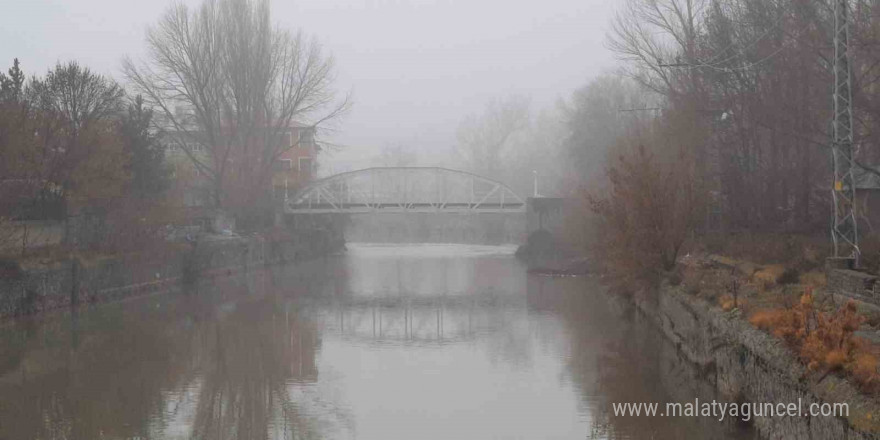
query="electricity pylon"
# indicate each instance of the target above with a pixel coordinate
(844, 229)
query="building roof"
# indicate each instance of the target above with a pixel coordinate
(866, 179)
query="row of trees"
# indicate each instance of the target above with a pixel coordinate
(221, 82)
(226, 80)
(722, 113)
(510, 142)
(73, 143)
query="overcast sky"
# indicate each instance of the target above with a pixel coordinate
(415, 67)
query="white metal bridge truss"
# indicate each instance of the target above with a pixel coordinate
(405, 189)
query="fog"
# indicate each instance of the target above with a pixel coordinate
(415, 68)
(675, 154)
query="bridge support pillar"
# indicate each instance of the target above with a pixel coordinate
(545, 213)
(546, 249)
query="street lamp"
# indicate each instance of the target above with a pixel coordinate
(535, 172)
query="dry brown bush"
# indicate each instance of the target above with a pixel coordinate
(824, 341)
(647, 213)
(729, 302)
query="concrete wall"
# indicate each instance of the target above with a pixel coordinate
(747, 365)
(842, 279)
(38, 288)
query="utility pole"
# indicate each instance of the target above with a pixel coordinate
(535, 172)
(844, 229)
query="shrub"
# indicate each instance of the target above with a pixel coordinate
(790, 276)
(675, 278)
(864, 368)
(823, 341)
(727, 302)
(647, 214)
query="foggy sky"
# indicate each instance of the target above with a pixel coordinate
(415, 68)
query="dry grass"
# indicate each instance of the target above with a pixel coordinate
(814, 279)
(804, 252)
(821, 333)
(768, 275)
(729, 302)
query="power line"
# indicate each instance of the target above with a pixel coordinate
(647, 109)
(712, 63)
(750, 45)
(727, 69)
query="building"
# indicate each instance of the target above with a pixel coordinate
(189, 187)
(298, 165)
(867, 201)
(292, 169)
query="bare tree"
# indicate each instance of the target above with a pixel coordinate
(532, 159)
(598, 115)
(397, 155)
(226, 80)
(654, 35)
(77, 151)
(483, 139)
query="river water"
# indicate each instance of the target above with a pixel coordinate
(381, 342)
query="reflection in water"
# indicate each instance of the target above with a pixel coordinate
(384, 342)
(615, 355)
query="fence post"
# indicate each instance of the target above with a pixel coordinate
(24, 240)
(74, 281)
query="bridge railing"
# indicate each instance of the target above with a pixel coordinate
(405, 189)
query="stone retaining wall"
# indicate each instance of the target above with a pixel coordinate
(30, 290)
(854, 284)
(747, 365)
(842, 279)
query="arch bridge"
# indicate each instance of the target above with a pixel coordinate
(405, 190)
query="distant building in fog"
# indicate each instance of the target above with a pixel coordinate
(296, 165)
(867, 201)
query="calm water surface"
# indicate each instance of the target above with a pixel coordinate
(382, 342)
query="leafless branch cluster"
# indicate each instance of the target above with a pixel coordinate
(755, 78)
(482, 139)
(224, 77)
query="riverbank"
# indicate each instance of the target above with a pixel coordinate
(33, 287)
(745, 364)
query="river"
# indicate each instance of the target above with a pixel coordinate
(380, 342)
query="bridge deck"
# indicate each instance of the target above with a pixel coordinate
(355, 208)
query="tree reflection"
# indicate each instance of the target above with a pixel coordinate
(99, 377)
(615, 356)
(166, 367)
(256, 353)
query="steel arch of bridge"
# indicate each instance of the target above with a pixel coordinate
(405, 189)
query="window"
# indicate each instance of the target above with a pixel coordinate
(289, 137)
(307, 138)
(305, 166)
(283, 165)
